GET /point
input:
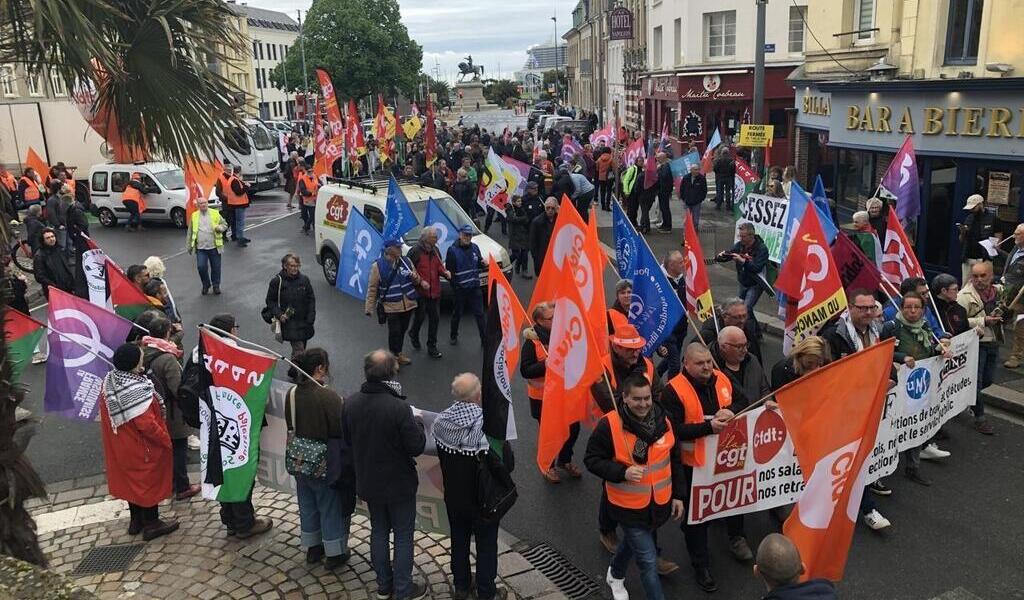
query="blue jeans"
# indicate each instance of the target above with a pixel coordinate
(398, 516)
(208, 264)
(322, 519)
(750, 295)
(239, 228)
(988, 355)
(464, 527)
(638, 543)
(693, 212)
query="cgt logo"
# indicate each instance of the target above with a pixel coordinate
(732, 446)
(337, 212)
(568, 249)
(831, 477)
(569, 342)
(508, 327)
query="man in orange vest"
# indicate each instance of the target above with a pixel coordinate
(134, 200)
(699, 402)
(8, 180)
(306, 188)
(533, 369)
(28, 188)
(222, 187)
(633, 449)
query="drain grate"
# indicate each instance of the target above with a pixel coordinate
(571, 581)
(108, 559)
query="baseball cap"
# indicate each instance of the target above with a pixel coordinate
(467, 229)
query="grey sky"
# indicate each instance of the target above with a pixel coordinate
(495, 33)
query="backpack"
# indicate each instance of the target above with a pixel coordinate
(191, 391)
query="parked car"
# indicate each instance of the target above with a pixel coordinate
(166, 195)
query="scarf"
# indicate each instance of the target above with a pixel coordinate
(395, 386)
(647, 430)
(917, 330)
(851, 331)
(127, 396)
(161, 345)
(459, 428)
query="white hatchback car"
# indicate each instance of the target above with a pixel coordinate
(166, 195)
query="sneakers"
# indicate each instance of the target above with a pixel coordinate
(740, 550)
(572, 470)
(403, 359)
(875, 520)
(666, 567)
(260, 525)
(984, 427)
(1012, 363)
(216, 290)
(188, 492)
(193, 442)
(552, 476)
(933, 452)
(915, 476)
(38, 358)
(618, 586)
(434, 353)
(158, 528)
(880, 488)
(416, 591)
(610, 541)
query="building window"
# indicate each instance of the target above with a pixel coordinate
(657, 46)
(964, 29)
(57, 84)
(796, 29)
(260, 44)
(721, 33)
(35, 84)
(273, 51)
(865, 19)
(255, 50)
(678, 41)
(8, 82)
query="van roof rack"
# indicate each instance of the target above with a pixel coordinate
(370, 183)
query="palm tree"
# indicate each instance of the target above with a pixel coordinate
(145, 64)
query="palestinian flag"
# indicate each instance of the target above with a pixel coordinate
(239, 383)
(502, 347)
(127, 299)
(22, 334)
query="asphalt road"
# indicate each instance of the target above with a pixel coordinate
(964, 532)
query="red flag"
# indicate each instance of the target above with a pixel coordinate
(856, 270)
(898, 259)
(126, 297)
(200, 177)
(354, 135)
(430, 136)
(331, 104)
(810, 279)
(573, 364)
(698, 287)
(650, 171)
(833, 415)
(745, 172)
(325, 150)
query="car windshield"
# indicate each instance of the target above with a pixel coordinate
(261, 137)
(450, 208)
(171, 179)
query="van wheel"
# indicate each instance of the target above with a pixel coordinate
(107, 217)
(330, 263)
(178, 217)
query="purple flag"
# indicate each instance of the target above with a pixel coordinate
(74, 376)
(570, 148)
(901, 182)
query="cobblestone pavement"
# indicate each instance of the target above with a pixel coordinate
(200, 561)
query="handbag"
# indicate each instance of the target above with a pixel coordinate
(304, 456)
(382, 317)
(496, 492)
(275, 323)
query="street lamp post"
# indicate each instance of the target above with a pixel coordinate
(260, 83)
(305, 78)
(758, 116)
(554, 40)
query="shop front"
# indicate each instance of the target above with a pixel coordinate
(660, 99)
(968, 136)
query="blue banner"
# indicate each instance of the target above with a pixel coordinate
(819, 197)
(681, 166)
(447, 233)
(654, 308)
(398, 216)
(362, 245)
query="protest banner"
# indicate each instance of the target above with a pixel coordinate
(768, 215)
(751, 465)
(757, 136)
(431, 516)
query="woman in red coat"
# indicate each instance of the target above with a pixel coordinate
(136, 445)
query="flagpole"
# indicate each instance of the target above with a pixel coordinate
(221, 332)
(701, 338)
(897, 306)
(79, 344)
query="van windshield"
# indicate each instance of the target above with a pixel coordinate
(237, 141)
(261, 137)
(449, 207)
(171, 179)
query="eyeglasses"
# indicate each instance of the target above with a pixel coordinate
(859, 307)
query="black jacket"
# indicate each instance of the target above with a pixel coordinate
(953, 315)
(724, 166)
(666, 183)
(52, 269)
(77, 224)
(708, 401)
(783, 373)
(534, 205)
(757, 259)
(541, 229)
(296, 293)
(600, 460)
(749, 384)
(693, 189)
(385, 439)
(563, 185)
(518, 228)
(679, 331)
(751, 328)
(815, 589)
(980, 226)
(34, 232)
(464, 193)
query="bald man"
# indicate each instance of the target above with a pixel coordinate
(731, 352)
(779, 566)
(980, 297)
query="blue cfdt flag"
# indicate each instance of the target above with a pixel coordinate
(398, 216)
(447, 233)
(820, 198)
(361, 246)
(654, 308)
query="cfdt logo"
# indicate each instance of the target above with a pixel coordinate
(769, 436)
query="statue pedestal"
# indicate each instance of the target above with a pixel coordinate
(469, 93)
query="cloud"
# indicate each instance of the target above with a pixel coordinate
(495, 33)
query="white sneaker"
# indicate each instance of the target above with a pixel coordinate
(876, 521)
(933, 452)
(193, 442)
(38, 358)
(618, 586)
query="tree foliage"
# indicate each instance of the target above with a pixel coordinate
(497, 91)
(362, 44)
(441, 91)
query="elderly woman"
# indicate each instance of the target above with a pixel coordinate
(878, 216)
(157, 270)
(618, 312)
(136, 445)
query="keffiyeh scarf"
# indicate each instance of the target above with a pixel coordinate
(127, 396)
(459, 428)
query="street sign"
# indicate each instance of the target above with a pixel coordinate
(755, 135)
(769, 47)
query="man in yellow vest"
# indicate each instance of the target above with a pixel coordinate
(633, 449)
(206, 238)
(699, 402)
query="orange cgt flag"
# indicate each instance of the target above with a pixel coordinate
(833, 415)
(200, 177)
(574, 254)
(513, 315)
(573, 364)
(32, 159)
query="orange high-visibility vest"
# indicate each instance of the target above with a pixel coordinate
(229, 193)
(131, 194)
(616, 319)
(31, 189)
(535, 386)
(693, 412)
(312, 187)
(607, 360)
(9, 182)
(657, 479)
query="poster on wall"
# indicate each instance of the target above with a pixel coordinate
(998, 188)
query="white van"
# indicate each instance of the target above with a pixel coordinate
(165, 197)
(257, 150)
(339, 197)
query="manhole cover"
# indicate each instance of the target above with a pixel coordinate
(108, 559)
(571, 581)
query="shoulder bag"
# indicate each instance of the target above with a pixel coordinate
(304, 456)
(496, 492)
(382, 317)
